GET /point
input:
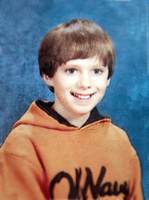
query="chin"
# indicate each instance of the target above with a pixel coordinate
(83, 111)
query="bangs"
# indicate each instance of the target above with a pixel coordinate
(80, 46)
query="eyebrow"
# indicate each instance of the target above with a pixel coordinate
(93, 66)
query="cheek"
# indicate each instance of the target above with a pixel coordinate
(101, 84)
(71, 81)
(63, 85)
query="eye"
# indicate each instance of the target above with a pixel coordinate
(98, 71)
(70, 70)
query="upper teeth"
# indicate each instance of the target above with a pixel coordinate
(81, 96)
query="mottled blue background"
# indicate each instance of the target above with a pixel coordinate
(23, 23)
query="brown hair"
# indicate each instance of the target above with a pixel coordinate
(72, 40)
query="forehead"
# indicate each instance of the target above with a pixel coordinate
(84, 61)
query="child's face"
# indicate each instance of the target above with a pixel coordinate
(79, 85)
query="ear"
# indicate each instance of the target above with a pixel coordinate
(48, 80)
(108, 82)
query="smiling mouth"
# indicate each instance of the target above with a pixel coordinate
(82, 96)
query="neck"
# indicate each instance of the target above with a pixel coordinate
(76, 120)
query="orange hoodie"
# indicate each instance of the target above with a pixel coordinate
(43, 159)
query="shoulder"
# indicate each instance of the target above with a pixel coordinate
(121, 138)
(19, 149)
(18, 143)
(116, 131)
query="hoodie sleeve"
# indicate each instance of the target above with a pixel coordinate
(136, 187)
(21, 174)
(19, 179)
(135, 184)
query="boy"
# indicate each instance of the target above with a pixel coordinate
(65, 149)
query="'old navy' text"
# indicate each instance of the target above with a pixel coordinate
(99, 189)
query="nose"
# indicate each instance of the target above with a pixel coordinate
(84, 81)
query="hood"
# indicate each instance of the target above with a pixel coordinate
(35, 116)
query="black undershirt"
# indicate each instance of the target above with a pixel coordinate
(47, 107)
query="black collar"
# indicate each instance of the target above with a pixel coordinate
(47, 107)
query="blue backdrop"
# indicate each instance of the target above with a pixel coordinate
(23, 24)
